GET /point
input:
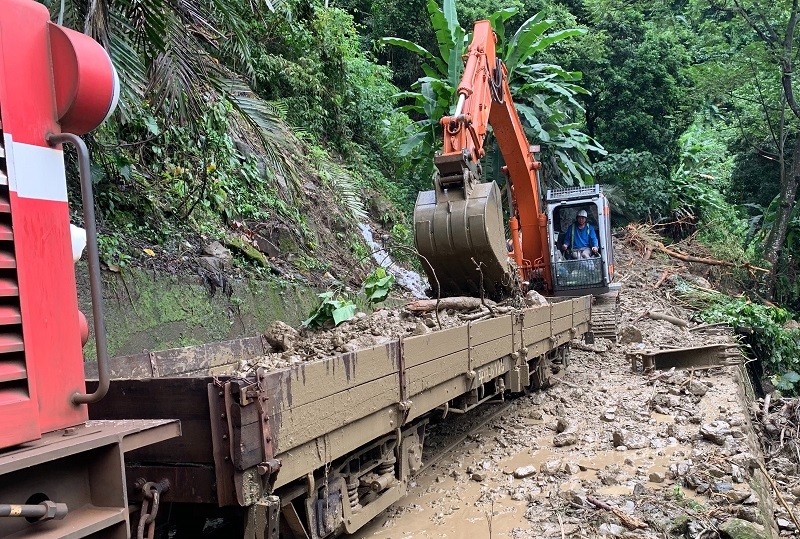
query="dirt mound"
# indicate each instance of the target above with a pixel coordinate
(291, 346)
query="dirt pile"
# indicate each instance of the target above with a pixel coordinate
(291, 346)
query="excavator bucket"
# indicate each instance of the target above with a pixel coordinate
(463, 241)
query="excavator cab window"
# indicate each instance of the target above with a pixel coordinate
(572, 270)
(563, 217)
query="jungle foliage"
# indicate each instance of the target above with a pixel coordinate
(235, 111)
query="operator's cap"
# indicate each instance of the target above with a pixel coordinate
(583, 213)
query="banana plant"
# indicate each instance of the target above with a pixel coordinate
(545, 94)
(432, 95)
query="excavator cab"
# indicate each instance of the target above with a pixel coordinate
(573, 276)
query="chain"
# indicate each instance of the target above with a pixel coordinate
(151, 497)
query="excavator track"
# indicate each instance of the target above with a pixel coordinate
(605, 315)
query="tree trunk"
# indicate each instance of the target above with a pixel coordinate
(777, 235)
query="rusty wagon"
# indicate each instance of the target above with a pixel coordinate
(320, 448)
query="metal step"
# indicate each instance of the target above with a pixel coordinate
(12, 370)
(7, 259)
(10, 315)
(6, 234)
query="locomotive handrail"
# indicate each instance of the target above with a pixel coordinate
(95, 286)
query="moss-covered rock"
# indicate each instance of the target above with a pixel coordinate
(679, 525)
(736, 528)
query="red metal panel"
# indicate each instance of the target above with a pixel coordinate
(18, 422)
(26, 94)
(49, 304)
(40, 221)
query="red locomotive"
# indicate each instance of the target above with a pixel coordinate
(60, 474)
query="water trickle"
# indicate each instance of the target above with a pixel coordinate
(410, 280)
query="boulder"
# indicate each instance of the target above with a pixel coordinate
(657, 477)
(631, 440)
(280, 336)
(737, 528)
(696, 388)
(716, 431)
(535, 299)
(550, 467)
(564, 439)
(629, 334)
(217, 250)
(525, 471)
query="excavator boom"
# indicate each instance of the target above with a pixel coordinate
(459, 229)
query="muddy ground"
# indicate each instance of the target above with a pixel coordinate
(670, 454)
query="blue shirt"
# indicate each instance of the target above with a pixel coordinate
(575, 238)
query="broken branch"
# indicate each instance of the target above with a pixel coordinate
(638, 237)
(462, 303)
(661, 279)
(628, 521)
(667, 318)
(778, 492)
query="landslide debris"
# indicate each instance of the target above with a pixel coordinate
(291, 346)
(615, 453)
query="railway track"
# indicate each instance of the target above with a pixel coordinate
(475, 424)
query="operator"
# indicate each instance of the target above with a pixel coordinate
(580, 238)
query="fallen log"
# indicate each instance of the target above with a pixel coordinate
(628, 521)
(667, 318)
(651, 244)
(461, 303)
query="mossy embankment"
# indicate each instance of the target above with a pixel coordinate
(146, 310)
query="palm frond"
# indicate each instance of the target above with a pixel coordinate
(346, 190)
(180, 74)
(276, 139)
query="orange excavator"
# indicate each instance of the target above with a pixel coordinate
(459, 229)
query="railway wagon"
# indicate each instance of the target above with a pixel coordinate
(320, 448)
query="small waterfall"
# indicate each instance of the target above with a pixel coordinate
(410, 280)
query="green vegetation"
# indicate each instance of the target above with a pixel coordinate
(771, 341)
(333, 307)
(377, 286)
(337, 306)
(297, 116)
(544, 93)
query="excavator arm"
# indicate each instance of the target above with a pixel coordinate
(459, 229)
